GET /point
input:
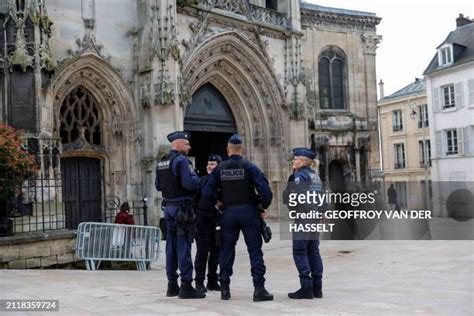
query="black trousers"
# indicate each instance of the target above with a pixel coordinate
(207, 252)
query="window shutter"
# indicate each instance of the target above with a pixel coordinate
(459, 96)
(439, 144)
(460, 141)
(436, 105)
(466, 141)
(470, 85)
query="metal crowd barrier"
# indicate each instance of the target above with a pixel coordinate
(97, 242)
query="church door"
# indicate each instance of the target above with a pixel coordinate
(81, 182)
(211, 123)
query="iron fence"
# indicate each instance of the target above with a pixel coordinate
(37, 203)
(30, 204)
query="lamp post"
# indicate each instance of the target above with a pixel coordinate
(413, 116)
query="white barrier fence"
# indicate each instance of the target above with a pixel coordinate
(97, 242)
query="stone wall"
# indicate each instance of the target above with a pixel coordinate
(37, 251)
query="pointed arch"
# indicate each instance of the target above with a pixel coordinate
(239, 70)
(102, 80)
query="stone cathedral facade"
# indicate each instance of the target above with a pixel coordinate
(98, 84)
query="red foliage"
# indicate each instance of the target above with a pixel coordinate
(14, 158)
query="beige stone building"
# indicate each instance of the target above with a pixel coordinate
(99, 83)
(406, 144)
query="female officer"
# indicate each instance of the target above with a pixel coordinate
(306, 246)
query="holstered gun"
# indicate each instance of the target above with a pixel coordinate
(265, 230)
(186, 220)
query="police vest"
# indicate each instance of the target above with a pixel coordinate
(205, 204)
(236, 185)
(170, 184)
(314, 183)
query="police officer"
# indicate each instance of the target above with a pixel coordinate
(237, 179)
(206, 244)
(177, 180)
(306, 246)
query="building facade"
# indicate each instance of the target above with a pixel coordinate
(450, 93)
(406, 144)
(99, 84)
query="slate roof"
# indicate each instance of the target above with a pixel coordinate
(463, 38)
(416, 87)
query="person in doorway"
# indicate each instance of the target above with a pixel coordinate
(207, 250)
(244, 193)
(178, 182)
(123, 216)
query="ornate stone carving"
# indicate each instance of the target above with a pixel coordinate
(47, 61)
(370, 41)
(163, 32)
(145, 92)
(254, 13)
(89, 43)
(330, 20)
(164, 91)
(294, 77)
(20, 56)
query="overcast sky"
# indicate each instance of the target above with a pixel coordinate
(411, 30)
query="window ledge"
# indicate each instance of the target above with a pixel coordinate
(451, 109)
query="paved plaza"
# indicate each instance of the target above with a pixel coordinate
(360, 277)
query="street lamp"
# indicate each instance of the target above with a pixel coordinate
(413, 116)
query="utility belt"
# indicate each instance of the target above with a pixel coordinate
(186, 220)
(165, 203)
(208, 214)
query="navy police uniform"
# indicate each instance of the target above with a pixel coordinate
(177, 180)
(243, 189)
(306, 247)
(207, 248)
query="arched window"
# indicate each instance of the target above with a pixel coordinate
(331, 79)
(80, 118)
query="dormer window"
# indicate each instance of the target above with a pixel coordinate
(445, 55)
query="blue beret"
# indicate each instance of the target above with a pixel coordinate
(305, 152)
(215, 158)
(235, 139)
(178, 135)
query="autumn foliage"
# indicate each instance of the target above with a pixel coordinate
(15, 161)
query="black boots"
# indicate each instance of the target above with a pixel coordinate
(173, 289)
(213, 286)
(261, 294)
(187, 291)
(317, 291)
(200, 287)
(304, 292)
(225, 292)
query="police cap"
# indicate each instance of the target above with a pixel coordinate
(235, 139)
(305, 152)
(216, 158)
(178, 135)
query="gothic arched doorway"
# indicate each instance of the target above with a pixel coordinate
(211, 123)
(337, 181)
(81, 136)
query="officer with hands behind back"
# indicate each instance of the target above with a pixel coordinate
(177, 180)
(238, 179)
(208, 217)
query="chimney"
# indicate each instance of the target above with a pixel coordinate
(381, 91)
(461, 20)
